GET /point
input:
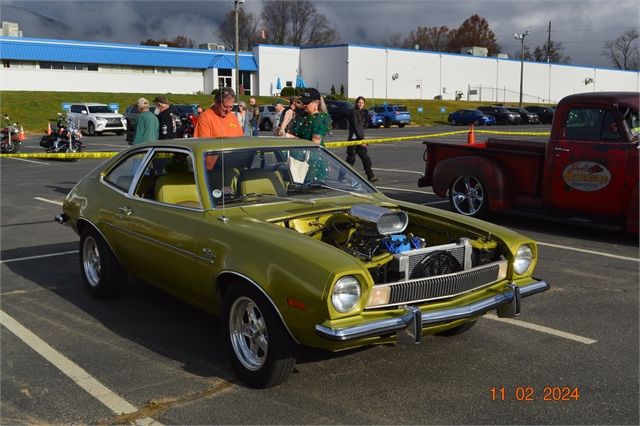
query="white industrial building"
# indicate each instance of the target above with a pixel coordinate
(371, 71)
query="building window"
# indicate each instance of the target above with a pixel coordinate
(223, 72)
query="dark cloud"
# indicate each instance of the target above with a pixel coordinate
(581, 25)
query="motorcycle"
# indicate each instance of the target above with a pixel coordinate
(65, 140)
(10, 138)
(189, 128)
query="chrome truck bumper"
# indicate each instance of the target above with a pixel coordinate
(408, 326)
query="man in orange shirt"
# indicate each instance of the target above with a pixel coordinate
(219, 121)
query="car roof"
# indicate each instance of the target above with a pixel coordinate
(88, 103)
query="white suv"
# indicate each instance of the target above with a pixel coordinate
(96, 118)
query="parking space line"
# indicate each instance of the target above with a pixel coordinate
(28, 161)
(48, 201)
(543, 329)
(599, 253)
(38, 257)
(72, 370)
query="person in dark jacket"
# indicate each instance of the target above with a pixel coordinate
(168, 128)
(357, 119)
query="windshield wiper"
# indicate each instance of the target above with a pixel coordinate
(258, 194)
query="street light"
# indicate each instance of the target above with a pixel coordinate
(373, 102)
(238, 3)
(521, 38)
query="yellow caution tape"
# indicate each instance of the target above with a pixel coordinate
(327, 144)
(44, 155)
(435, 135)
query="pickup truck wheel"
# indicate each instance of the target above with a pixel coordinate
(259, 347)
(101, 271)
(454, 122)
(462, 328)
(468, 197)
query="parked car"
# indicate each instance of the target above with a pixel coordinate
(375, 120)
(339, 111)
(131, 113)
(96, 118)
(503, 116)
(267, 112)
(470, 116)
(526, 117)
(290, 246)
(393, 114)
(184, 111)
(545, 113)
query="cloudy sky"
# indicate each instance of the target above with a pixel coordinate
(581, 25)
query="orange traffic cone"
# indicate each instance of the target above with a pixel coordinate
(48, 128)
(470, 136)
(22, 135)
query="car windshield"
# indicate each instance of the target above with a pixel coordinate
(185, 108)
(269, 175)
(100, 109)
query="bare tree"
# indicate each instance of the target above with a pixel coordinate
(623, 51)
(297, 23)
(248, 30)
(275, 17)
(474, 31)
(394, 40)
(528, 56)
(434, 39)
(553, 51)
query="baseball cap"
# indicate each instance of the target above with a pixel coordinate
(161, 100)
(278, 101)
(310, 95)
(142, 102)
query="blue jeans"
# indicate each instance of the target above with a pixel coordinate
(254, 129)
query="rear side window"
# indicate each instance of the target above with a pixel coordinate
(75, 108)
(402, 109)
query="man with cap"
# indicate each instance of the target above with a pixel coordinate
(166, 120)
(219, 120)
(277, 118)
(147, 127)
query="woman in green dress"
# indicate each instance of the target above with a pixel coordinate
(313, 125)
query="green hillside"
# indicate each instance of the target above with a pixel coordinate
(33, 110)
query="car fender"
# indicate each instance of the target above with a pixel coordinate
(489, 171)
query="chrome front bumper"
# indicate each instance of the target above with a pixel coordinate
(408, 326)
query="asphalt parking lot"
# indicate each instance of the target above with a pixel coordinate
(70, 359)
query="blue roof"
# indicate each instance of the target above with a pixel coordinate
(31, 49)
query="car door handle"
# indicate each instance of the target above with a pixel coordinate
(125, 210)
(562, 149)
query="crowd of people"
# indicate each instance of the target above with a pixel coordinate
(306, 117)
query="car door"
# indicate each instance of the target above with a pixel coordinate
(155, 238)
(589, 162)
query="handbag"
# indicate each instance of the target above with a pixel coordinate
(298, 168)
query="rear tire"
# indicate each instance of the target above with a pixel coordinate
(454, 122)
(259, 347)
(101, 271)
(266, 125)
(462, 328)
(401, 125)
(387, 123)
(467, 196)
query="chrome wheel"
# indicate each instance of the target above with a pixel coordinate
(91, 261)
(248, 333)
(467, 196)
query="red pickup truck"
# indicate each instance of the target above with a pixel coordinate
(587, 173)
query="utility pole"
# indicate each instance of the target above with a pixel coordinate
(549, 44)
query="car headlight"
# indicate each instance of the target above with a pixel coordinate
(346, 294)
(100, 119)
(524, 257)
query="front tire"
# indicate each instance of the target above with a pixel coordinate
(101, 271)
(401, 125)
(343, 123)
(387, 123)
(266, 125)
(476, 122)
(91, 128)
(259, 347)
(454, 122)
(468, 197)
